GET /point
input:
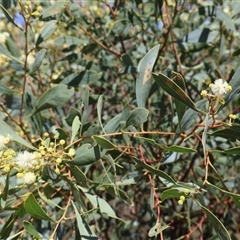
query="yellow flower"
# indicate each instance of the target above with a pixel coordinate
(186, 191)
(232, 116)
(46, 134)
(204, 93)
(180, 202)
(229, 88)
(182, 198)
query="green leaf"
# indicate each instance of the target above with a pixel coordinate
(54, 9)
(83, 227)
(234, 196)
(155, 230)
(100, 203)
(47, 31)
(71, 116)
(82, 79)
(204, 35)
(152, 170)
(6, 130)
(172, 148)
(5, 191)
(228, 22)
(75, 127)
(113, 124)
(144, 83)
(54, 97)
(170, 193)
(221, 231)
(9, 17)
(191, 116)
(31, 230)
(234, 150)
(62, 134)
(6, 90)
(5, 52)
(85, 99)
(49, 201)
(180, 149)
(180, 107)
(12, 47)
(69, 40)
(29, 103)
(103, 142)
(34, 209)
(38, 60)
(232, 133)
(8, 226)
(86, 154)
(79, 175)
(99, 109)
(106, 208)
(174, 90)
(137, 116)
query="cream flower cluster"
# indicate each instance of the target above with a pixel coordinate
(219, 88)
(4, 141)
(30, 164)
(26, 160)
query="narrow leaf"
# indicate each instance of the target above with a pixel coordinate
(171, 193)
(83, 228)
(234, 150)
(31, 230)
(234, 196)
(6, 90)
(113, 124)
(100, 203)
(9, 17)
(180, 149)
(75, 127)
(137, 116)
(12, 47)
(103, 142)
(99, 109)
(79, 175)
(225, 18)
(86, 154)
(174, 90)
(231, 133)
(38, 61)
(6, 130)
(47, 31)
(54, 9)
(144, 83)
(106, 208)
(5, 52)
(180, 107)
(154, 231)
(221, 231)
(34, 209)
(152, 170)
(204, 35)
(54, 97)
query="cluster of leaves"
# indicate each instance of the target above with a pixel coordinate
(120, 84)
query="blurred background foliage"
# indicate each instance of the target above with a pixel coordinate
(96, 48)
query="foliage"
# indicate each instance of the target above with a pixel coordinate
(119, 119)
